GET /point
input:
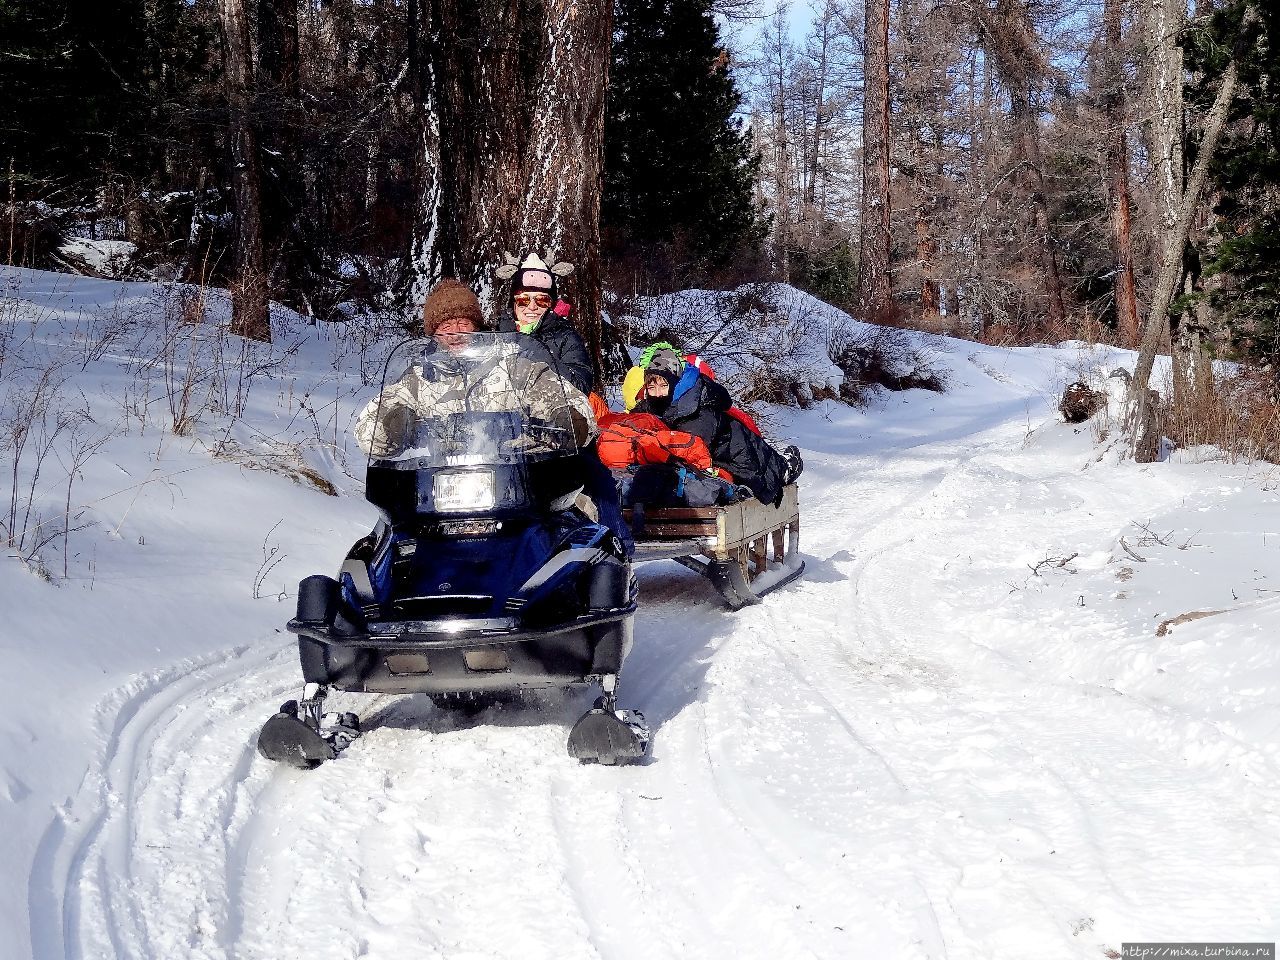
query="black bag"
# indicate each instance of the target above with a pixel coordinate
(752, 461)
(665, 485)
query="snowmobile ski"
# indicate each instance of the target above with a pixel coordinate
(608, 736)
(296, 735)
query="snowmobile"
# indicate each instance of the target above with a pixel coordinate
(482, 577)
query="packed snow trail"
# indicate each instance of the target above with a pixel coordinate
(923, 749)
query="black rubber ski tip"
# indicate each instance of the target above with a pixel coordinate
(286, 739)
(601, 737)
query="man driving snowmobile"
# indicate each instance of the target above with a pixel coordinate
(450, 315)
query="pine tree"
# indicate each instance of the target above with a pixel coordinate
(679, 167)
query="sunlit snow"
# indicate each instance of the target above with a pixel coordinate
(962, 734)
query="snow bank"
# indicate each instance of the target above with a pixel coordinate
(756, 337)
(99, 258)
(774, 343)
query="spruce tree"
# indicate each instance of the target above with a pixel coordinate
(679, 168)
(1245, 254)
(74, 82)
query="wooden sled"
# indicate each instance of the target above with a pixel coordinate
(746, 549)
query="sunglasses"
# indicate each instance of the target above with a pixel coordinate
(537, 299)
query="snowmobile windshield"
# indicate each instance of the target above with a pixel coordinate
(490, 399)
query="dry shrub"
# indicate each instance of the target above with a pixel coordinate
(285, 459)
(890, 314)
(1029, 332)
(889, 359)
(1079, 402)
(1239, 413)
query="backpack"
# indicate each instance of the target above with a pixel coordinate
(674, 485)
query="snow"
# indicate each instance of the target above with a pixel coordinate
(961, 734)
(772, 341)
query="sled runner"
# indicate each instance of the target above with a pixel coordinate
(746, 549)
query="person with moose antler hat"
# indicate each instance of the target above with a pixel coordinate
(534, 308)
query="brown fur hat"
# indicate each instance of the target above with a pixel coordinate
(450, 300)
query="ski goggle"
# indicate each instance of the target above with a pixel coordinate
(542, 300)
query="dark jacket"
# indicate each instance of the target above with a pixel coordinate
(568, 351)
(752, 461)
(700, 406)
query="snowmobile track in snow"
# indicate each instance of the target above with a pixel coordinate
(87, 871)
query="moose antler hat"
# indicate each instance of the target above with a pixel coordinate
(532, 273)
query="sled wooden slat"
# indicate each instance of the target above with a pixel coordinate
(681, 531)
(670, 549)
(680, 513)
(734, 526)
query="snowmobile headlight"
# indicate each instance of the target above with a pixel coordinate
(464, 491)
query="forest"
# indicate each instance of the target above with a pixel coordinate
(1009, 171)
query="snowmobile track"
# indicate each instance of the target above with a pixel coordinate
(91, 865)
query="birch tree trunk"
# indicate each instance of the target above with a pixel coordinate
(876, 240)
(1171, 271)
(1141, 421)
(250, 313)
(1165, 20)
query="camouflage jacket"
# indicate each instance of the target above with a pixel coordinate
(505, 382)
